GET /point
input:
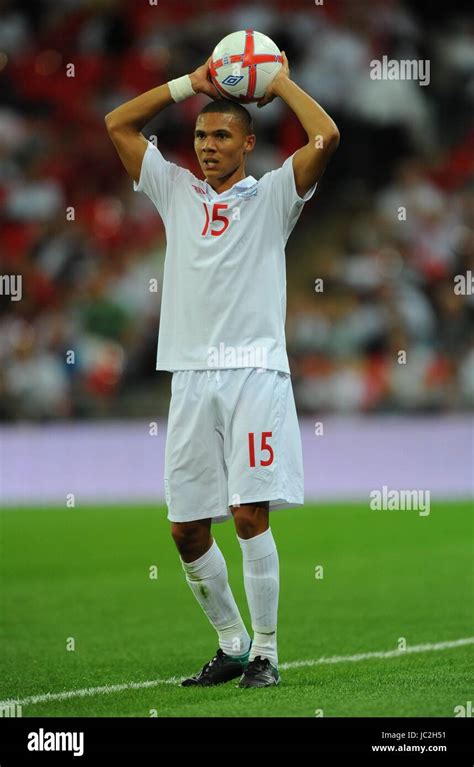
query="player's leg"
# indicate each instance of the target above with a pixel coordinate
(265, 470)
(206, 574)
(261, 576)
(194, 495)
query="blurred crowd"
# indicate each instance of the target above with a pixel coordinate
(375, 322)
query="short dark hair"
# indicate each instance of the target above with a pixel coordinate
(231, 107)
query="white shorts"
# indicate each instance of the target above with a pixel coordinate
(233, 438)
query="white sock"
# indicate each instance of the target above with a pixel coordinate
(207, 577)
(262, 585)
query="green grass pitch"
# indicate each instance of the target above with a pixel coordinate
(84, 573)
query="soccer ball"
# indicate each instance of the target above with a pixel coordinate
(243, 65)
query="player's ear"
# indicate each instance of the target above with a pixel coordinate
(250, 142)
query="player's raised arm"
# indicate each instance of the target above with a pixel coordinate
(310, 161)
(125, 123)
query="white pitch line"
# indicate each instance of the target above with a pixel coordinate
(112, 688)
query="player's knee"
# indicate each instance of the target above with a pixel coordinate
(185, 533)
(191, 539)
(250, 520)
(245, 526)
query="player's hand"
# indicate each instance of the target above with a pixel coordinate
(270, 93)
(202, 83)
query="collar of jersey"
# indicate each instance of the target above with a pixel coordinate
(244, 183)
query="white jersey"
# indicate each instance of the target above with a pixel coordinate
(224, 283)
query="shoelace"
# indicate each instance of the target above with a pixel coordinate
(208, 665)
(258, 661)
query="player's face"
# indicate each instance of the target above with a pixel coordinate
(221, 145)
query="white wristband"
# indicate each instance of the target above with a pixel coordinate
(181, 88)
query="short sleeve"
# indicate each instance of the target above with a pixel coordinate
(286, 199)
(158, 179)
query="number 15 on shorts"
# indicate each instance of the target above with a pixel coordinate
(265, 447)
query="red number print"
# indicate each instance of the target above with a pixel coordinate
(206, 223)
(264, 446)
(266, 434)
(215, 217)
